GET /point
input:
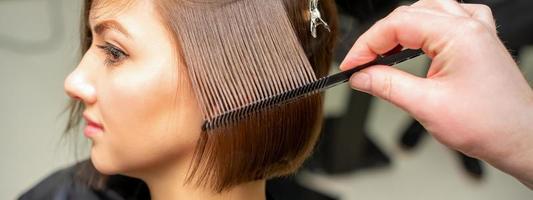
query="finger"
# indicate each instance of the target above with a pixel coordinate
(399, 28)
(398, 87)
(482, 13)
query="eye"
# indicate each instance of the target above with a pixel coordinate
(114, 55)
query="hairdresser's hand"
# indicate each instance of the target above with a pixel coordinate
(474, 98)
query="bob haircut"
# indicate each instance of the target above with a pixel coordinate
(269, 144)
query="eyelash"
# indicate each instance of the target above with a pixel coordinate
(114, 54)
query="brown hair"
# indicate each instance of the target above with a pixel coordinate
(264, 145)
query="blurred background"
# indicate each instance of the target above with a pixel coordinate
(369, 149)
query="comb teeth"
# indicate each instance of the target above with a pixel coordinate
(277, 100)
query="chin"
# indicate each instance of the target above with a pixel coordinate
(103, 163)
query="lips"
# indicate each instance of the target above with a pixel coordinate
(93, 128)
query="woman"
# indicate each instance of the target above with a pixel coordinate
(144, 120)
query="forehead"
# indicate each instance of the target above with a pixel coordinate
(108, 8)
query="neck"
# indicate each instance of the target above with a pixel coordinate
(168, 182)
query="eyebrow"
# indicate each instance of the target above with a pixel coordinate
(107, 25)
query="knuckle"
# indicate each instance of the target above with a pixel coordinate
(484, 9)
(381, 21)
(397, 16)
(401, 10)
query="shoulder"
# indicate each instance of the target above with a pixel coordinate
(63, 185)
(59, 185)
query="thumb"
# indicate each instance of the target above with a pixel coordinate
(398, 87)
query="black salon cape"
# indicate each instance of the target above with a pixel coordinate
(62, 186)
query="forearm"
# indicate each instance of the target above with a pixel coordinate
(528, 181)
(520, 162)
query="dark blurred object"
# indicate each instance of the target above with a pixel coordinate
(412, 135)
(473, 166)
(366, 10)
(287, 188)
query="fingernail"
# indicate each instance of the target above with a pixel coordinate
(354, 60)
(360, 81)
(347, 61)
(344, 64)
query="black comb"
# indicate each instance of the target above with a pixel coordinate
(305, 90)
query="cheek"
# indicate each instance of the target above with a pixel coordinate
(136, 100)
(147, 121)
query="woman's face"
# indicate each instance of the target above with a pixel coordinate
(140, 109)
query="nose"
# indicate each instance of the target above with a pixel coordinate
(78, 85)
